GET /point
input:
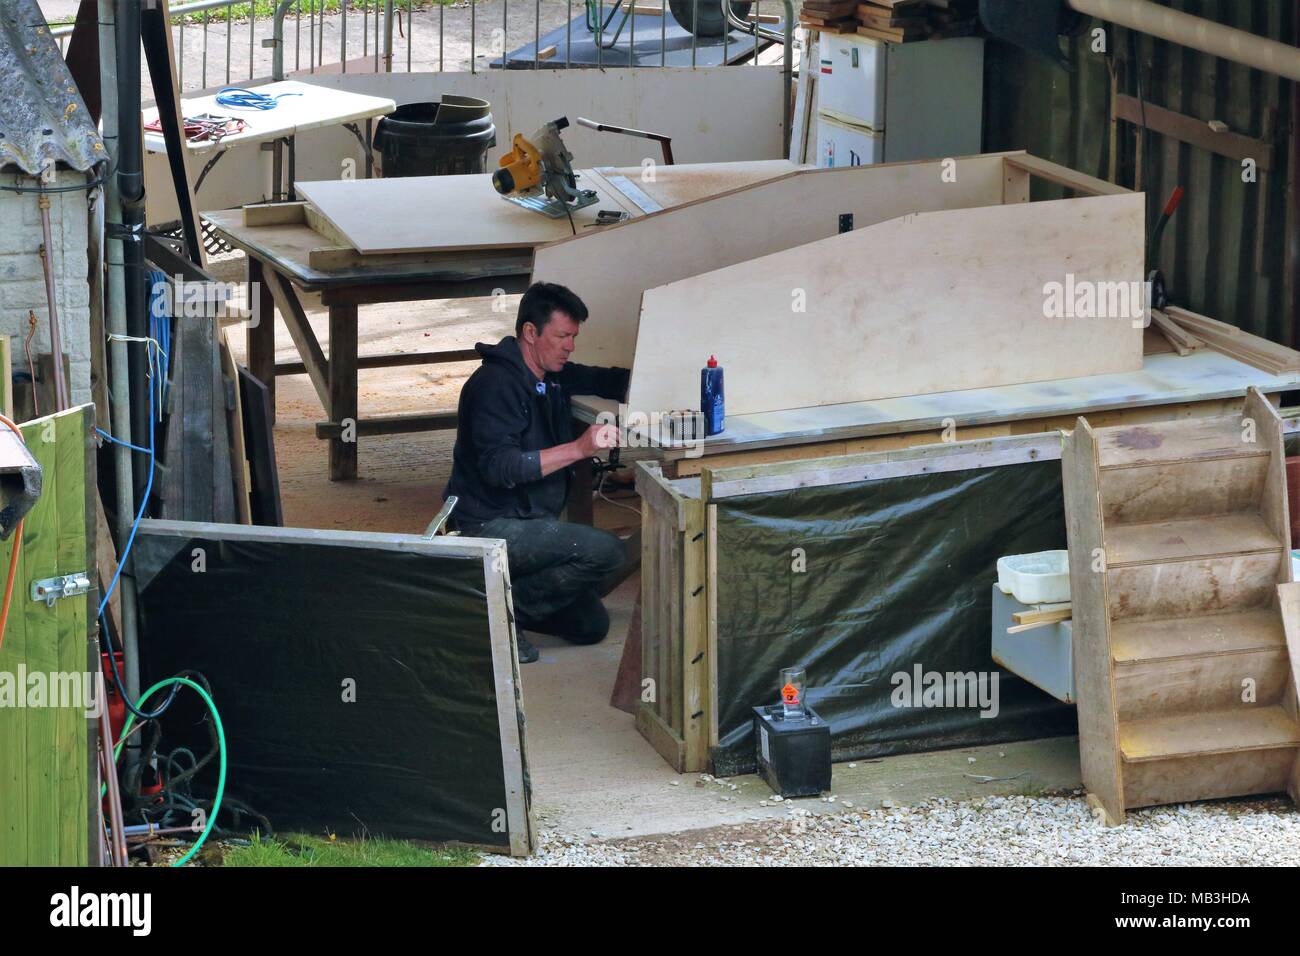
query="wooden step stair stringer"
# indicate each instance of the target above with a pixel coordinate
(1273, 504)
(1217, 744)
(1099, 754)
(1275, 509)
(1288, 595)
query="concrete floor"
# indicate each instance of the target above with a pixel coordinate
(593, 775)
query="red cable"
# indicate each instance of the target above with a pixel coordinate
(1175, 198)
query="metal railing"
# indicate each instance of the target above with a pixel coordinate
(224, 31)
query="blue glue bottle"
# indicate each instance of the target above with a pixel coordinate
(711, 397)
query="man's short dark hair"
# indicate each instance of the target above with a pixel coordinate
(544, 299)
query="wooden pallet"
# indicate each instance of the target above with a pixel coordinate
(1179, 540)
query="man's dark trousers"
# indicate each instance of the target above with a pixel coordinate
(556, 572)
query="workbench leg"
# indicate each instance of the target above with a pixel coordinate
(582, 488)
(343, 390)
(261, 337)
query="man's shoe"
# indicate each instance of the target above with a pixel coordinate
(527, 653)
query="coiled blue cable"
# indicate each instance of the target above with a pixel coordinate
(238, 98)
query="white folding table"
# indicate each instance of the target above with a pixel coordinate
(307, 107)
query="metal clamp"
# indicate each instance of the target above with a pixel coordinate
(50, 590)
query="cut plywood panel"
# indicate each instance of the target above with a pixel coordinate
(444, 213)
(611, 268)
(1217, 731)
(1160, 492)
(667, 186)
(938, 301)
(1180, 685)
(1239, 632)
(1202, 536)
(1152, 782)
(1190, 588)
(1164, 442)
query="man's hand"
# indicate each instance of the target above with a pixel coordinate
(594, 440)
(597, 438)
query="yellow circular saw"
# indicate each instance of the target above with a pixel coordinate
(538, 174)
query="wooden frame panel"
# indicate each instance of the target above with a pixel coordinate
(614, 266)
(505, 667)
(674, 593)
(862, 340)
(505, 662)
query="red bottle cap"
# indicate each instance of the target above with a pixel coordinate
(713, 362)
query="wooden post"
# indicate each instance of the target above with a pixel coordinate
(261, 331)
(343, 390)
(6, 383)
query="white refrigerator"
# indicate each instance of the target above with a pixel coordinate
(880, 102)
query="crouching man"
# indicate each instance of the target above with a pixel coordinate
(513, 462)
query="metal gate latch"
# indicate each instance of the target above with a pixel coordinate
(50, 590)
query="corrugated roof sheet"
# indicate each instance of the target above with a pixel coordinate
(42, 117)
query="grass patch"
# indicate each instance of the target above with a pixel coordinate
(299, 849)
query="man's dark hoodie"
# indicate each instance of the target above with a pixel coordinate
(506, 417)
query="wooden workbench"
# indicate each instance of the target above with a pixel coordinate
(676, 643)
(279, 267)
(1168, 386)
(444, 213)
(291, 248)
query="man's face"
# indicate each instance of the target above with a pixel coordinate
(555, 342)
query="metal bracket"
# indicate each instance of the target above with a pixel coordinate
(365, 145)
(440, 519)
(555, 208)
(125, 233)
(50, 590)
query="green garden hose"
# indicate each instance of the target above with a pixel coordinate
(221, 739)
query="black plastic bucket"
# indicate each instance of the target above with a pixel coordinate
(446, 138)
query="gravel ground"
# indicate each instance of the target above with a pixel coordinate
(994, 831)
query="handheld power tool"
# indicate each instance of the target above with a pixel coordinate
(538, 174)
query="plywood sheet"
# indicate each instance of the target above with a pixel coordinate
(611, 268)
(686, 182)
(443, 213)
(938, 301)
